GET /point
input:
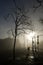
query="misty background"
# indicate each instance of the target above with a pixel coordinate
(6, 38)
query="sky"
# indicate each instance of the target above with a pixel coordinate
(5, 8)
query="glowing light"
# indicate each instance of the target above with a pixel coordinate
(32, 34)
(32, 57)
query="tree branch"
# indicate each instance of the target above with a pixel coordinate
(36, 7)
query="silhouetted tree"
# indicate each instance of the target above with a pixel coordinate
(21, 22)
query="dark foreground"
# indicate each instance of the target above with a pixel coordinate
(21, 59)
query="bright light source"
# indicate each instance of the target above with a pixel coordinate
(32, 34)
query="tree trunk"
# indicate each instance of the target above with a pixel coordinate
(14, 43)
(14, 48)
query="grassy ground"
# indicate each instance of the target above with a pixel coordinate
(20, 59)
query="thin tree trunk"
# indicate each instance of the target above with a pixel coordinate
(14, 48)
(14, 43)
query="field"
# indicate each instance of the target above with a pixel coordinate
(21, 58)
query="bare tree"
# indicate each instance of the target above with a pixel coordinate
(21, 23)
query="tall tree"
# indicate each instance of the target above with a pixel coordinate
(21, 21)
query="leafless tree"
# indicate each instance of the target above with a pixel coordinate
(21, 23)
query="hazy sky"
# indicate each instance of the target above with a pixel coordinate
(6, 5)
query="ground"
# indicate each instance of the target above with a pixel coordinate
(20, 59)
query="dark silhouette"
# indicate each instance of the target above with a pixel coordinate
(19, 19)
(28, 52)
